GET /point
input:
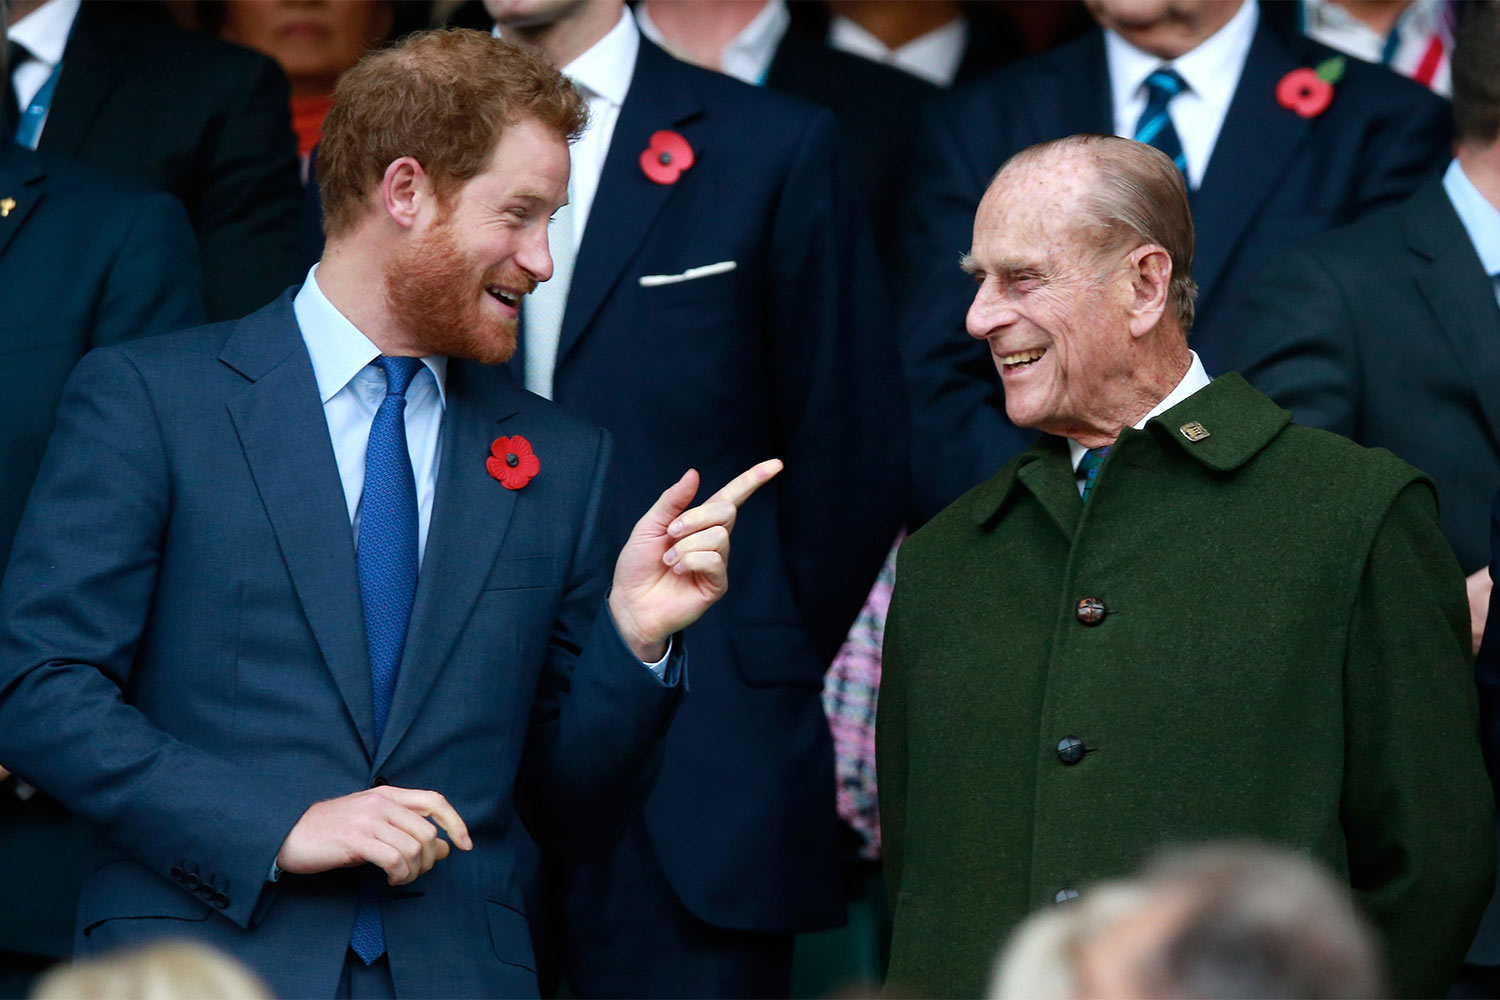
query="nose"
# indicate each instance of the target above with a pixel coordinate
(535, 256)
(989, 313)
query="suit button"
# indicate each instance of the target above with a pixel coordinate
(191, 880)
(220, 900)
(178, 874)
(1065, 896)
(378, 781)
(1070, 750)
(205, 892)
(1091, 611)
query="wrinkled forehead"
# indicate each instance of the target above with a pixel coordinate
(1036, 200)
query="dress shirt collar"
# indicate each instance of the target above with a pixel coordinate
(749, 54)
(605, 68)
(1195, 379)
(337, 348)
(935, 56)
(1211, 71)
(1481, 219)
(45, 30)
(1331, 24)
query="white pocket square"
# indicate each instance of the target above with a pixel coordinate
(722, 267)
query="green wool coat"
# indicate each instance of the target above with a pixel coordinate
(1283, 654)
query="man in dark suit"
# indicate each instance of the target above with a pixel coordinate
(293, 592)
(85, 260)
(203, 120)
(712, 252)
(1261, 174)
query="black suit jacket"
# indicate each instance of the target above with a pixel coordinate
(1274, 177)
(85, 260)
(1387, 332)
(201, 119)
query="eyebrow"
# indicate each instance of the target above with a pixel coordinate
(967, 264)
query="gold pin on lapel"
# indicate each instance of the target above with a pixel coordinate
(7, 205)
(1194, 431)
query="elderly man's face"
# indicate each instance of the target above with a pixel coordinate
(1054, 311)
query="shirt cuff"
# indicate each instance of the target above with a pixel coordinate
(659, 668)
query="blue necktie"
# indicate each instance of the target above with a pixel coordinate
(1088, 470)
(387, 560)
(1155, 125)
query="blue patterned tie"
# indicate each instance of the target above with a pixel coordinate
(1155, 126)
(387, 559)
(1088, 470)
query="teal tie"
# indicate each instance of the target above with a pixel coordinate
(1155, 125)
(1088, 470)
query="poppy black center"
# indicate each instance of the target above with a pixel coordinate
(665, 158)
(511, 460)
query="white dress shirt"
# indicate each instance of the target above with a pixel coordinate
(1481, 220)
(44, 32)
(1211, 72)
(934, 56)
(352, 388)
(1423, 31)
(749, 53)
(1195, 379)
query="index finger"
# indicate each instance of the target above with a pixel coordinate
(743, 487)
(436, 808)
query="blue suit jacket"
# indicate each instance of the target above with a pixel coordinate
(184, 662)
(787, 355)
(1274, 177)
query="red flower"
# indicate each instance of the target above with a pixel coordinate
(512, 461)
(1308, 92)
(667, 157)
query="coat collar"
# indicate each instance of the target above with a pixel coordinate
(1240, 422)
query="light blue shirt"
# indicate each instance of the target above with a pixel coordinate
(1481, 220)
(352, 388)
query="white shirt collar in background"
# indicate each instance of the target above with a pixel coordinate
(1211, 71)
(749, 54)
(1416, 27)
(1195, 379)
(935, 56)
(1480, 219)
(44, 32)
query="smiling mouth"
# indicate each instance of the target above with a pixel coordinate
(506, 296)
(1022, 359)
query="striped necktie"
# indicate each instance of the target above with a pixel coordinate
(1088, 470)
(1155, 125)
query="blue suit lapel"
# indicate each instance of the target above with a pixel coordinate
(470, 515)
(1070, 92)
(627, 202)
(21, 181)
(1254, 147)
(280, 422)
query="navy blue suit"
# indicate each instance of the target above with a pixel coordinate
(85, 260)
(786, 355)
(1274, 177)
(184, 663)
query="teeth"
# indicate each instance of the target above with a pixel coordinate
(509, 298)
(1023, 357)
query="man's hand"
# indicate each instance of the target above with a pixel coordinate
(1479, 587)
(385, 826)
(675, 565)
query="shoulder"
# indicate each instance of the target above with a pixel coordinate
(753, 107)
(979, 96)
(1365, 90)
(118, 33)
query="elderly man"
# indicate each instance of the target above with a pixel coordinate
(1177, 616)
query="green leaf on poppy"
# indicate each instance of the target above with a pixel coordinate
(1331, 70)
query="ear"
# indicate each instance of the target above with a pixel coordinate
(405, 191)
(1150, 270)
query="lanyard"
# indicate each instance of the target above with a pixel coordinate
(29, 130)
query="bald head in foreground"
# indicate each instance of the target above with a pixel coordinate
(1178, 616)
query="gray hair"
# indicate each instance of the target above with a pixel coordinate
(1139, 198)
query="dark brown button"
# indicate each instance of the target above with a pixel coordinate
(1091, 611)
(1070, 750)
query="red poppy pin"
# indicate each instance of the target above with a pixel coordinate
(1308, 92)
(512, 461)
(666, 157)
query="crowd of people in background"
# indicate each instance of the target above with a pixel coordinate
(785, 231)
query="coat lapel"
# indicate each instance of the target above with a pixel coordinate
(21, 182)
(1461, 296)
(627, 202)
(1049, 476)
(470, 515)
(280, 422)
(1254, 147)
(1071, 92)
(91, 67)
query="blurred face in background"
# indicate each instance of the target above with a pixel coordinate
(1165, 28)
(313, 40)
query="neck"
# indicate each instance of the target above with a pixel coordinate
(18, 9)
(1146, 388)
(344, 275)
(1481, 164)
(896, 22)
(1380, 15)
(701, 31)
(571, 35)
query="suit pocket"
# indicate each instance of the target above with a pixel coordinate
(120, 894)
(709, 288)
(776, 654)
(510, 935)
(524, 573)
